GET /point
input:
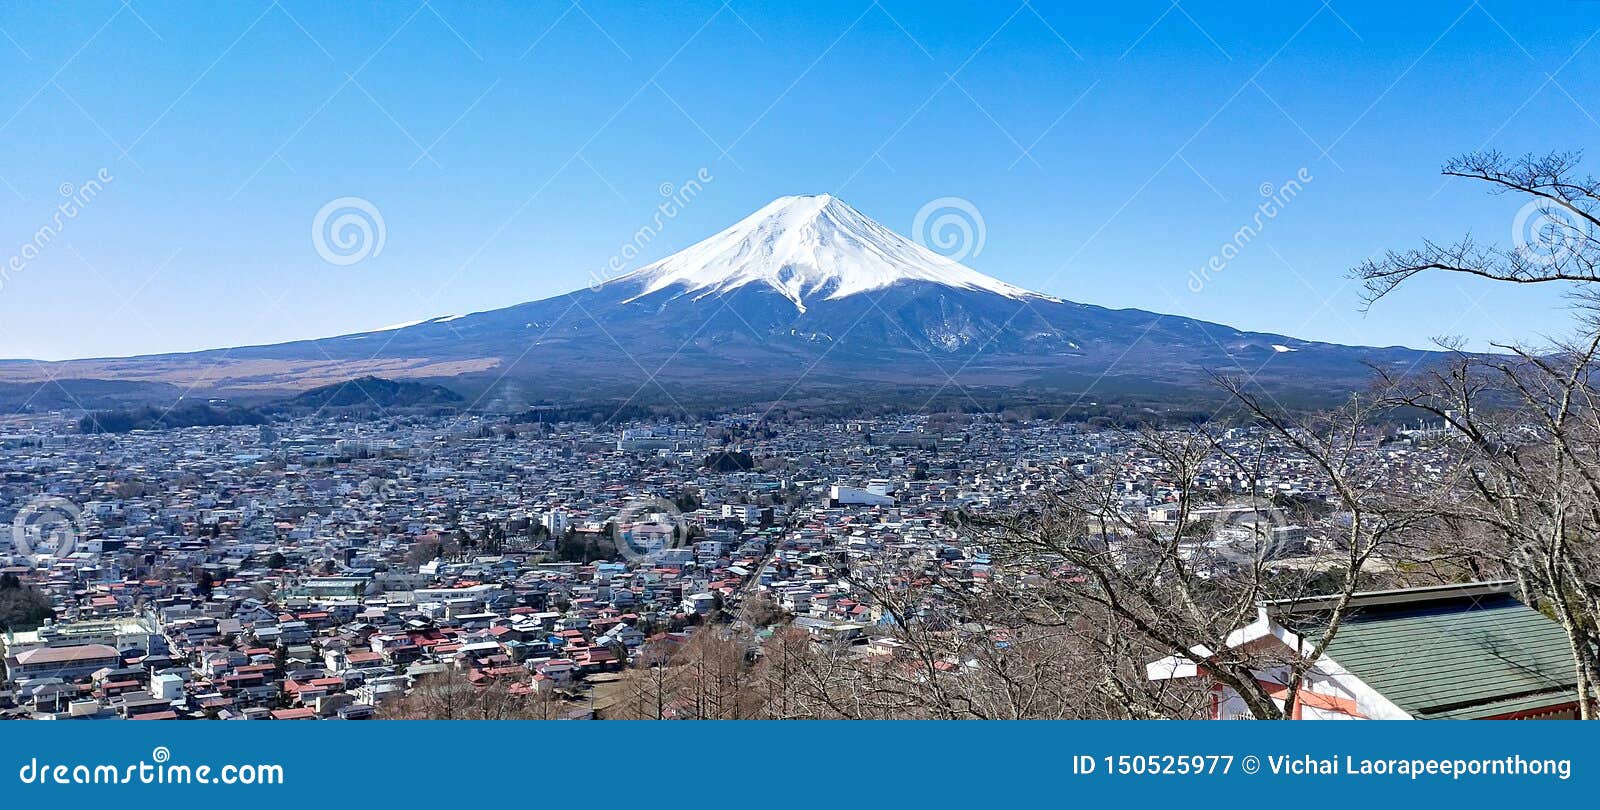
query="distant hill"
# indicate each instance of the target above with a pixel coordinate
(75, 394)
(376, 392)
(146, 418)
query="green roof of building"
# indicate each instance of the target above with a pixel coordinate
(1462, 657)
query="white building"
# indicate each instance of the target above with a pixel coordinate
(747, 513)
(840, 495)
(557, 522)
(1469, 651)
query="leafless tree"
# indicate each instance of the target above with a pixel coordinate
(782, 674)
(952, 646)
(714, 675)
(452, 696)
(1176, 588)
(1559, 230)
(1526, 505)
(709, 676)
(649, 690)
(759, 610)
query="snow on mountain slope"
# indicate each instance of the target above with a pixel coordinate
(752, 311)
(807, 247)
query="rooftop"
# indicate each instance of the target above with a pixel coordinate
(1450, 652)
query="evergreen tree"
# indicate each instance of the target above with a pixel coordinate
(22, 607)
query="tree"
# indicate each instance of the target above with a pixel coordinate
(1558, 233)
(649, 691)
(22, 607)
(760, 610)
(687, 501)
(707, 677)
(714, 675)
(571, 548)
(780, 676)
(1101, 585)
(452, 696)
(1526, 504)
(423, 552)
(494, 539)
(729, 461)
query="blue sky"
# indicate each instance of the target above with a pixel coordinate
(1111, 149)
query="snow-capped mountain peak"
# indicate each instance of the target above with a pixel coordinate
(809, 247)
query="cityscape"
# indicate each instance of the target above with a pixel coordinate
(741, 361)
(324, 567)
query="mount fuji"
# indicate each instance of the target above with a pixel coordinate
(807, 294)
(814, 248)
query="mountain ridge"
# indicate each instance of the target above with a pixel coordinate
(804, 292)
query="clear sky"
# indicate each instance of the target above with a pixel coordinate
(1111, 149)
